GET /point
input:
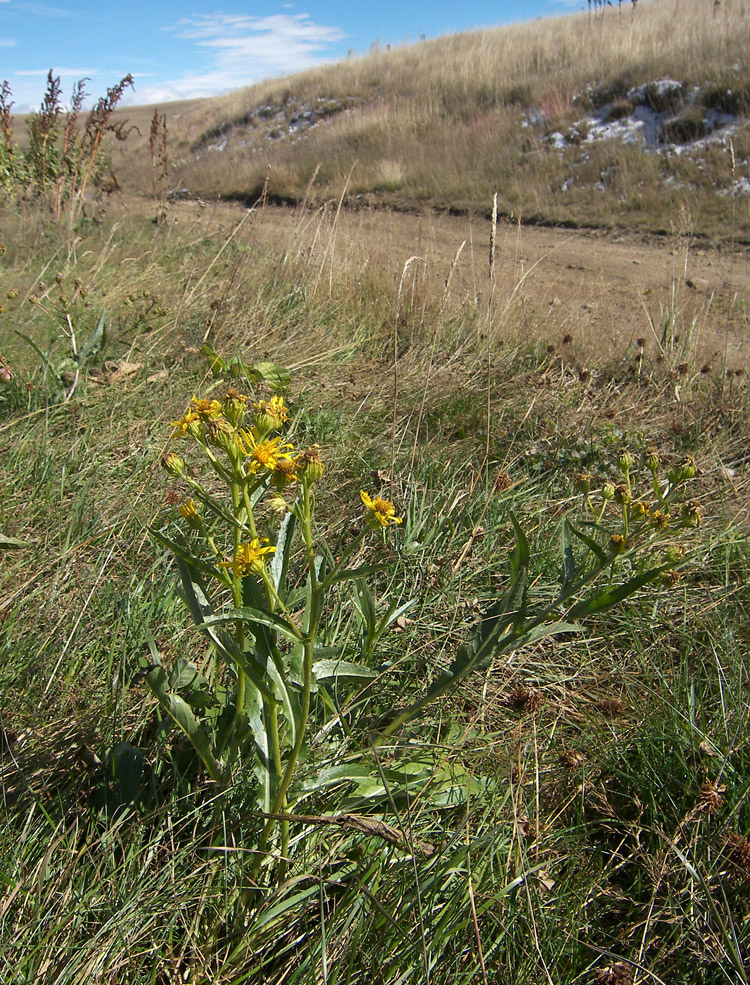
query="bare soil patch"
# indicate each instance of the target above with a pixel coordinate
(606, 291)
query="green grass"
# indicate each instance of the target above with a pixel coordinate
(560, 790)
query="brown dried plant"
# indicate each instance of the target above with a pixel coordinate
(159, 161)
(43, 134)
(98, 123)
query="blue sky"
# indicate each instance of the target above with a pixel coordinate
(192, 48)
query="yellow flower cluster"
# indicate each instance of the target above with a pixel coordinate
(249, 558)
(379, 512)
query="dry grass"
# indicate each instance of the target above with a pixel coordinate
(442, 122)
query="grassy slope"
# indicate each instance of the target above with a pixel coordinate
(600, 837)
(441, 123)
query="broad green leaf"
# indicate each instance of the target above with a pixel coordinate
(605, 600)
(592, 545)
(568, 561)
(254, 617)
(352, 574)
(182, 553)
(277, 377)
(181, 713)
(342, 670)
(12, 543)
(93, 343)
(280, 561)
(184, 673)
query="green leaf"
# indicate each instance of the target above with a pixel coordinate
(12, 543)
(544, 630)
(568, 561)
(93, 343)
(280, 561)
(182, 553)
(277, 377)
(342, 671)
(184, 673)
(605, 600)
(592, 545)
(42, 355)
(254, 617)
(352, 574)
(181, 713)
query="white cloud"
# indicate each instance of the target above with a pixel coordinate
(241, 50)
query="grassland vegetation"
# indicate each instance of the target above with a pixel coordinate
(501, 740)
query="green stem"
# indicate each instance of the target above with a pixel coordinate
(308, 643)
(240, 693)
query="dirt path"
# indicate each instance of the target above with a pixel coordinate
(604, 290)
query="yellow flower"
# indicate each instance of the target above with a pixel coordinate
(380, 512)
(207, 410)
(183, 425)
(271, 414)
(263, 454)
(249, 557)
(192, 515)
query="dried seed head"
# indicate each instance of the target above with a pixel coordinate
(737, 853)
(710, 799)
(622, 494)
(502, 482)
(572, 758)
(619, 973)
(525, 699)
(611, 707)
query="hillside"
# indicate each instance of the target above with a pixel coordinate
(620, 118)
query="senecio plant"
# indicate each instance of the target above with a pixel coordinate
(251, 704)
(246, 707)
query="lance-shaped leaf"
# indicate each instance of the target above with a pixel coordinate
(280, 561)
(93, 343)
(182, 714)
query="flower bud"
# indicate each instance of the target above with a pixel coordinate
(622, 494)
(174, 464)
(653, 459)
(311, 464)
(221, 434)
(625, 461)
(618, 544)
(234, 407)
(608, 491)
(674, 554)
(582, 483)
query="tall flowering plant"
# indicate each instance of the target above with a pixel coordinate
(247, 705)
